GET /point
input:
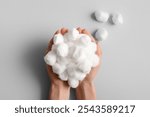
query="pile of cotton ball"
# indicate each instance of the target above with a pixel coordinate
(72, 56)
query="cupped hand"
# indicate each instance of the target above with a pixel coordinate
(86, 89)
(58, 89)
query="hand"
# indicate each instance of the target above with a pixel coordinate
(58, 89)
(86, 89)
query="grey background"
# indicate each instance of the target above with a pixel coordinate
(27, 25)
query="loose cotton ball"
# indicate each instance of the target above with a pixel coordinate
(117, 18)
(101, 16)
(101, 34)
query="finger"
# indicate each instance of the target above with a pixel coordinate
(79, 29)
(84, 31)
(64, 30)
(51, 42)
(99, 50)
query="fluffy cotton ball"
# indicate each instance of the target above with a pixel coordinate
(76, 74)
(72, 34)
(50, 58)
(73, 83)
(64, 76)
(58, 38)
(63, 60)
(117, 18)
(62, 49)
(101, 34)
(79, 75)
(71, 68)
(95, 60)
(84, 39)
(101, 16)
(58, 69)
(85, 66)
(92, 47)
(79, 55)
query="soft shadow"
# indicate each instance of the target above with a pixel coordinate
(93, 16)
(93, 33)
(72, 94)
(110, 20)
(35, 62)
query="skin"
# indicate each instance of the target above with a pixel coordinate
(60, 90)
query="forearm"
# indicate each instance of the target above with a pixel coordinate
(59, 91)
(86, 91)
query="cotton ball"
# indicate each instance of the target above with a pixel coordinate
(73, 83)
(85, 66)
(63, 60)
(78, 75)
(90, 49)
(58, 38)
(62, 50)
(117, 18)
(101, 16)
(93, 47)
(72, 34)
(85, 39)
(71, 68)
(95, 60)
(50, 58)
(58, 69)
(64, 76)
(101, 34)
(71, 48)
(79, 54)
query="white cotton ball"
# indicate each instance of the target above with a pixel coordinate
(71, 46)
(95, 60)
(62, 50)
(72, 34)
(76, 74)
(85, 66)
(64, 76)
(84, 39)
(101, 34)
(71, 68)
(58, 38)
(50, 58)
(73, 83)
(79, 75)
(79, 54)
(117, 18)
(93, 47)
(58, 69)
(63, 60)
(101, 16)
